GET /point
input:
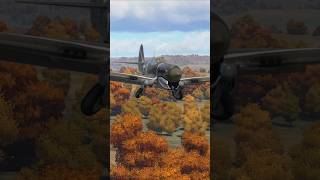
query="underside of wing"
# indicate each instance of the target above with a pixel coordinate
(195, 80)
(53, 53)
(131, 78)
(274, 61)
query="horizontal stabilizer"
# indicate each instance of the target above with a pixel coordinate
(63, 3)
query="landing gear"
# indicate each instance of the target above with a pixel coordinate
(93, 101)
(139, 92)
(177, 92)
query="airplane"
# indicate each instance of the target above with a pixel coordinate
(226, 64)
(159, 74)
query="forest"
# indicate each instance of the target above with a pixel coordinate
(271, 109)
(38, 141)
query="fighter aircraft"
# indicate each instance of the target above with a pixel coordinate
(159, 74)
(227, 64)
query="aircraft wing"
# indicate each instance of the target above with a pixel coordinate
(131, 78)
(102, 5)
(195, 80)
(53, 53)
(273, 61)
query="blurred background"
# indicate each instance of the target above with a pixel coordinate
(43, 134)
(275, 133)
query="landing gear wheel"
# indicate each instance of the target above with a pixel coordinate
(177, 94)
(139, 92)
(227, 104)
(93, 101)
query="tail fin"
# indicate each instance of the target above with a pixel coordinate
(141, 59)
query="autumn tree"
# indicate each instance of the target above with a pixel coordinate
(8, 128)
(144, 105)
(125, 127)
(192, 119)
(157, 92)
(281, 101)
(91, 35)
(164, 116)
(205, 112)
(246, 32)
(197, 93)
(296, 27)
(58, 78)
(3, 26)
(131, 107)
(63, 145)
(36, 106)
(254, 132)
(195, 142)
(312, 101)
(264, 165)
(145, 155)
(305, 155)
(222, 161)
(63, 172)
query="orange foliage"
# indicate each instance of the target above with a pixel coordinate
(35, 102)
(247, 33)
(53, 172)
(62, 28)
(125, 127)
(128, 70)
(195, 142)
(120, 93)
(3, 26)
(254, 132)
(145, 155)
(264, 165)
(36, 106)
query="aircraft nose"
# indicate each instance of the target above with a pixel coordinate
(174, 74)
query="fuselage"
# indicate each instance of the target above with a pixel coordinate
(168, 75)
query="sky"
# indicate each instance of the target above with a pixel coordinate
(164, 27)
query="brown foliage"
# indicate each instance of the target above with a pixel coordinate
(195, 142)
(125, 127)
(145, 155)
(254, 132)
(296, 27)
(305, 155)
(3, 26)
(264, 165)
(53, 172)
(164, 116)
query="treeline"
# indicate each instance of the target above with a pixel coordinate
(37, 139)
(259, 153)
(145, 155)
